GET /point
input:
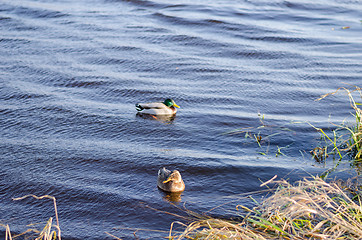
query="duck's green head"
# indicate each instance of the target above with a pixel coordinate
(169, 103)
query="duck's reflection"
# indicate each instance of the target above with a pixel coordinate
(161, 118)
(171, 197)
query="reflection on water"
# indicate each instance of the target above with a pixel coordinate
(167, 119)
(171, 197)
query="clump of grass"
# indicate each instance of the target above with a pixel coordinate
(47, 233)
(352, 141)
(263, 135)
(312, 209)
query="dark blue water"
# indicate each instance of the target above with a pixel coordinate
(71, 72)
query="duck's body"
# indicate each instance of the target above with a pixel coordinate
(170, 181)
(168, 107)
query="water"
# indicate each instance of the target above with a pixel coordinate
(71, 72)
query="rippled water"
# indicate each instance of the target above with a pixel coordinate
(71, 72)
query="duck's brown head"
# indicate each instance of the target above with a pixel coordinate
(174, 177)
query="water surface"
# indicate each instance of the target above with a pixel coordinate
(71, 72)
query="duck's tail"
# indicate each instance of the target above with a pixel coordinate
(139, 107)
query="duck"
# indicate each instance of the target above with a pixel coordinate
(170, 181)
(167, 107)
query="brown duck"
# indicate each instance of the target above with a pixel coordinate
(170, 181)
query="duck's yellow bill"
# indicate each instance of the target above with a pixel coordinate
(175, 105)
(166, 181)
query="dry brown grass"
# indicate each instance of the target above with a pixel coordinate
(49, 232)
(309, 209)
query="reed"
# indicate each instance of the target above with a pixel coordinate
(263, 135)
(346, 138)
(309, 209)
(46, 233)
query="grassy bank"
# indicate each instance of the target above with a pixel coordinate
(310, 209)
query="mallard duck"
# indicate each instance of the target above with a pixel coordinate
(158, 108)
(170, 181)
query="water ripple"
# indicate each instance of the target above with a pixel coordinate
(72, 71)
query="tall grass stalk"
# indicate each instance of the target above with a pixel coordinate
(334, 142)
(8, 233)
(353, 143)
(310, 209)
(46, 233)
